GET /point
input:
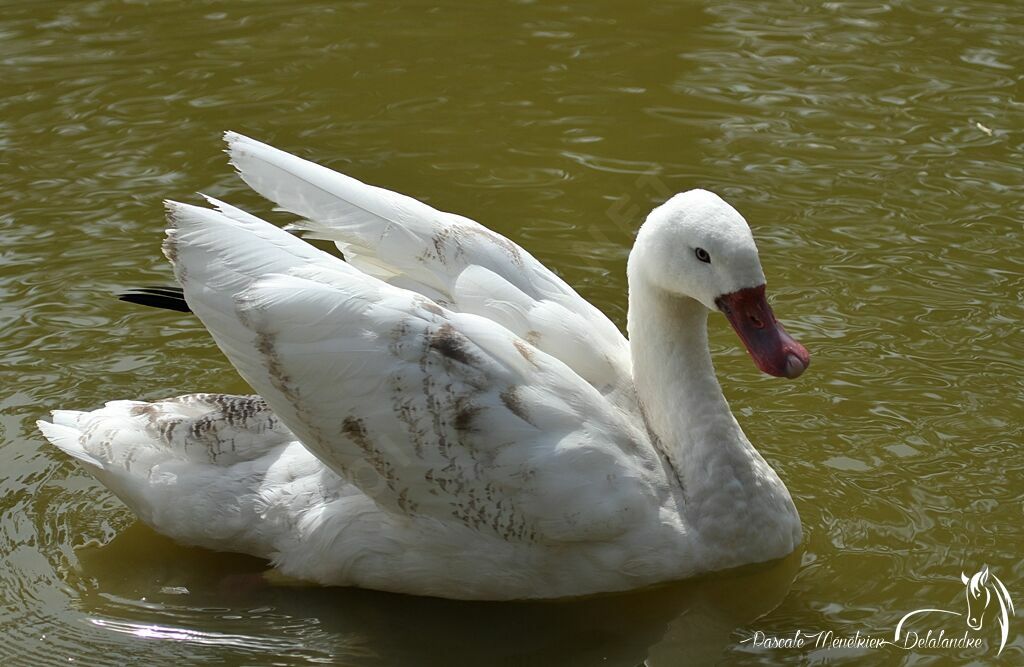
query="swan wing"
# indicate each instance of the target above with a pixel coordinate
(430, 412)
(451, 259)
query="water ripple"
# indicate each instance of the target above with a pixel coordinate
(874, 147)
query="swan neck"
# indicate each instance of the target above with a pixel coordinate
(675, 377)
(731, 496)
(679, 393)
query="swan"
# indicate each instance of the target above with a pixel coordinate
(438, 413)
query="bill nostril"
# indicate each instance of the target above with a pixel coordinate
(757, 322)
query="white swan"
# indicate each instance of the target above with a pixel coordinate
(442, 415)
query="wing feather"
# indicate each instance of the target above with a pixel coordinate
(410, 244)
(428, 411)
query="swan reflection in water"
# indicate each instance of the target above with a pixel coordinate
(202, 605)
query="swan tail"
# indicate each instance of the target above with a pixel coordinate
(65, 436)
(167, 298)
(192, 467)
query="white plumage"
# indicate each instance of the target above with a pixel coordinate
(441, 414)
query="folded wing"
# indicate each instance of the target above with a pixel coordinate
(430, 412)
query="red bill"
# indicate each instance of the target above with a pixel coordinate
(772, 349)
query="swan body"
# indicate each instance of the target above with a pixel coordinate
(442, 415)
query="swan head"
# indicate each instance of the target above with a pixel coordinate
(695, 245)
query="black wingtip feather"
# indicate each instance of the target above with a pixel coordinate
(168, 298)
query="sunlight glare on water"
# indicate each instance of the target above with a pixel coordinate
(875, 148)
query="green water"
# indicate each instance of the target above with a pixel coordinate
(876, 148)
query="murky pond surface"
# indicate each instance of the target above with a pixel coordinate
(876, 148)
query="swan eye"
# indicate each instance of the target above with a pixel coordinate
(703, 255)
